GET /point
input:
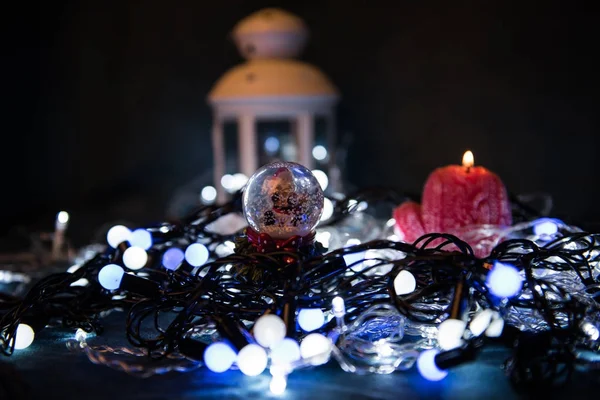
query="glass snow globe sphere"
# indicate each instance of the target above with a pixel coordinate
(283, 199)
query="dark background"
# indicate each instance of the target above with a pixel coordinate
(106, 115)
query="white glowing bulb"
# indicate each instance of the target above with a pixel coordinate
(327, 209)
(80, 282)
(227, 182)
(252, 360)
(404, 283)
(319, 152)
(208, 194)
(504, 280)
(590, 330)
(427, 367)
(545, 227)
(219, 357)
(495, 329)
(354, 259)
(323, 238)
(135, 258)
(62, 217)
(238, 182)
(110, 276)
(338, 307)
(141, 238)
(286, 352)
(278, 384)
(311, 319)
(23, 337)
(450, 333)
(196, 254)
(481, 322)
(316, 346)
(321, 178)
(269, 330)
(117, 235)
(80, 335)
(73, 268)
(468, 159)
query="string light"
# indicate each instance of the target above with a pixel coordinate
(252, 360)
(172, 258)
(219, 357)
(135, 258)
(62, 217)
(545, 227)
(80, 335)
(355, 259)
(310, 319)
(272, 145)
(239, 180)
(590, 330)
(227, 182)
(269, 330)
(427, 367)
(196, 254)
(404, 283)
(338, 307)
(208, 194)
(319, 152)
(278, 384)
(24, 336)
(141, 238)
(286, 352)
(504, 280)
(322, 178)
(110, 276)
(450, 333)
(495, 329)
(481, 322)
(315, 347)
(117, 235)
(327, 209)
(318, 281)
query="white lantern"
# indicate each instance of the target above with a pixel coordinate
(271, 86)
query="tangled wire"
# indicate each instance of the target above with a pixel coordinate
(551, 325)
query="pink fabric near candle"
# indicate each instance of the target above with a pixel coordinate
(408, 217)
(453, 199)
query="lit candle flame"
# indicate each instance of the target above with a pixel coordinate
(468, 160)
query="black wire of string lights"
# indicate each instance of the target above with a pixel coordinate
(165, 306)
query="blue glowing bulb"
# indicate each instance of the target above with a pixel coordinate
(173, 258)
(219, 357)
(272, 145)
(196, 254)
(286, 352)
(545, 226)
(110, 276)
(311, 319)
(504, 280)
(427, 368)
(141, 238)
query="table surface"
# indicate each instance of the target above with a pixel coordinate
(48, 370)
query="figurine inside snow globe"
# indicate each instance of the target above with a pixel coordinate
(282, 203)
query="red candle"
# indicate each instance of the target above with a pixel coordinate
(456, 197)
